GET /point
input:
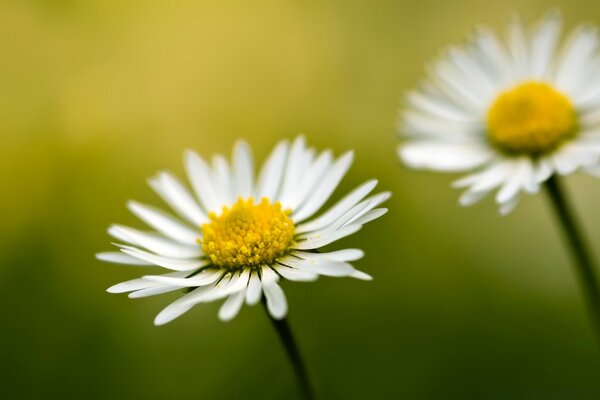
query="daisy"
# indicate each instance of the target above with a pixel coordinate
(517, 115)
(238, 236)
(514, 113)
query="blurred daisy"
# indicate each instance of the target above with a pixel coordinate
(515, 114)
(241, 236)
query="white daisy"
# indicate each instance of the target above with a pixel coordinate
(241, 235)
(513, 114)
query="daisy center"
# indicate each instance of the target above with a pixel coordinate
(247, 234)
(532, 118)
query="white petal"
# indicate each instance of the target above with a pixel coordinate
(293, 169)
(471, 197)
(178, 198)
(224, 288)
(369, 216)
(353, 214)
(339, 255)
(203, 278)
(444, 156)
(268, 275)
(164, 223)
(120, 258)
(200, 176)
(313, 174)
(578, 50)
(416, 123)
(243, 168)
(517, 44)
(223, 179)
(276, 301)
(269, 180)
(321, 266)
(254, 290)
(295, 274)
(320, 240)
(493, 55)
(231, 307)
(431, 104)
(153, 291)
(543, 45)
(154, 243)
(175, 264)
(139, 284)
(339, 209)
(363, 276)
(325, 188)
(131, 285)
(522, 170)
(509, 206)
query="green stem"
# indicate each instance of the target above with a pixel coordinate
(579, 250)
(287, 339)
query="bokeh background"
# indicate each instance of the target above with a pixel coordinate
(97, 95)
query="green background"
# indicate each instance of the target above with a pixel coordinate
(95, 96)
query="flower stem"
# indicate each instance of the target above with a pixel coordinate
(581, 254)
(287, 339)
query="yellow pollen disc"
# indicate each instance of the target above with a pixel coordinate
(532, 118)
(247, 234)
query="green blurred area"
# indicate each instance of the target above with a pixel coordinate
(95, 96)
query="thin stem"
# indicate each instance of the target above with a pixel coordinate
(581, 254)
(287, 339)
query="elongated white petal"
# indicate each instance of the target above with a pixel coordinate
(276, 301)
(339, 255)
(295, 274)
(154, 243)
(339, 209)
(120, 258)
(293, 169)
(231, 307)
(440, 156)
(363, 276)
(226, 287)
(178, 198)
(320, 266)
(243, 168)
(254, 290)
(543, 45)
(153, 291)
(369, 216)
(131, 285)
(201, 279)
(200, 176)
(269, 180)
(164, 223)
(320, 240)
(325, 188)
(311, 177)
(517, 45)
(223, 179)
(175, 264)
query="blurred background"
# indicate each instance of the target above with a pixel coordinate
(97, 95)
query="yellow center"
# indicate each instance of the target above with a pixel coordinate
(247, 234)
(532, 118)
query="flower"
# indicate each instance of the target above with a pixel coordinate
(241, 236)
(513, 115)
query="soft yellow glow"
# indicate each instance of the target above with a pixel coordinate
(532, 118)
(247, 234)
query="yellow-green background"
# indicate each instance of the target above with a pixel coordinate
(97, 95)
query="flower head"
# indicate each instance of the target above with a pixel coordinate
(514, 114)
(241, 236)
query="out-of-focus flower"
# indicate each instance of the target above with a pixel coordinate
(514, 114)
